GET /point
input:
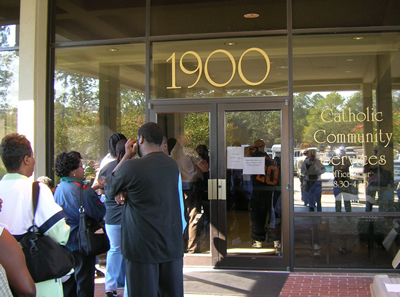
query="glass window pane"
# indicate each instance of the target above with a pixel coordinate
(98, 91)
(188, 143)
(191, 17)
(344, 13)
(9, 63)
(9, 23)
(346, 104)
(253, 199)
(9, 36)
(78, 20)
(240, 67)
(346, 242)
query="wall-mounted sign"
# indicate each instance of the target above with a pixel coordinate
(199, 68)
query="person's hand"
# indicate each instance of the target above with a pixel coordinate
(130, 148)
(120, 198)
(100, 183)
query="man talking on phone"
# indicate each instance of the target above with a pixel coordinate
(152, 219)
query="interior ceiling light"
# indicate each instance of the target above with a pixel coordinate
(230, 43)
(349, 60)
(358, 38)
(348, 71)
(251, 15)
(113, 49)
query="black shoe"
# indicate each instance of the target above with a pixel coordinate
(112, 294)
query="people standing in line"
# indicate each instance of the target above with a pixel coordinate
(171, 144)
(301, 176)
(69, 168)
(13, 271)
(47, 181)
(17, 210)
(262, 200)
(204, 166)
(164, 145)
(191, 176)
(152, 220)
(114, 262)
(14, 274)
(312, 169)
(110, 157)
(341, 188)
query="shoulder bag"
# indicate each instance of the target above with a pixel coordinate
(92, 237)
(45, 258)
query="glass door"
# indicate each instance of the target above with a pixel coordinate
(189, 139)
(254, 174)
(234, 179)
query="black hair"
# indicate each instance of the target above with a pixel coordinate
(171, 143)
(120, 149)
(202, 151)
(112, 142)
(152, 133)
(13, 149)
(67, 162)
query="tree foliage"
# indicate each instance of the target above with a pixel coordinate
(77, 122)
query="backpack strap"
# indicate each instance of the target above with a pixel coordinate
(35, 199)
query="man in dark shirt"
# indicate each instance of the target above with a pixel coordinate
(152, 223)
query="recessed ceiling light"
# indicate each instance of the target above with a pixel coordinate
(348, 71)
(349, 60)
(358, 38)
(251, 15)
(230, 43)
(113, 49)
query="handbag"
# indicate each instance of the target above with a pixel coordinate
(45, 258)
(92, 237)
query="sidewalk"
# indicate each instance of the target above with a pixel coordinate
(303, 284)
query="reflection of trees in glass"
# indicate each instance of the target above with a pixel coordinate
(333, 102)
(396, 119)
(229, 93)
(4, 33)
(307, 116)
(133, 112)
(248, 126)
(76, 115)
(77, 125)
(197, 129)
(8, 109)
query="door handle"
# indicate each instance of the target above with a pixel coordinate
(288, 187)
(216, 189)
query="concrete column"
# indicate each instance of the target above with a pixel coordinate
(109, 95)
(384, 105)
(32, 78)
(367, 126)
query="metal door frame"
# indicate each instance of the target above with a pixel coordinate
(218, 257)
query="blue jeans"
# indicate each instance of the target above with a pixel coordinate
(115, 272)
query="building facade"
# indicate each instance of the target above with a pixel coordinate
(229, 80)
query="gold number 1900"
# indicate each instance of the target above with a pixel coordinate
(199, 68)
